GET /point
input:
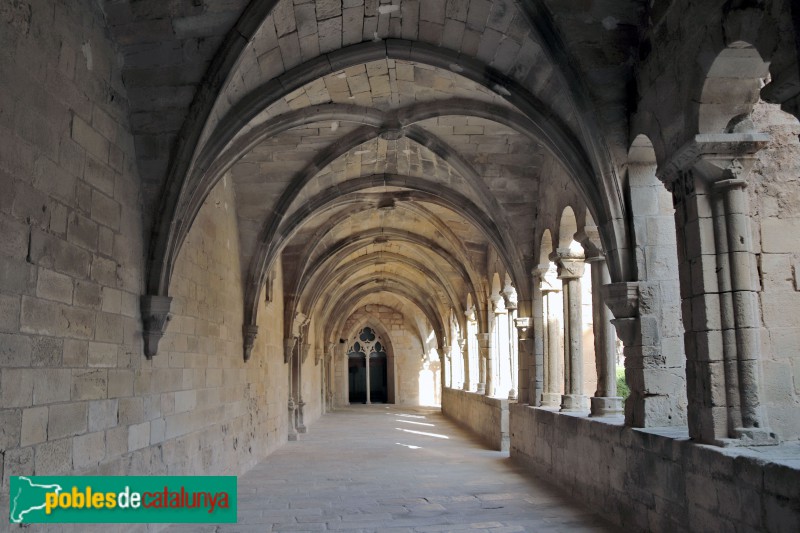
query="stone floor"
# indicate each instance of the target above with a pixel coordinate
(383, 468)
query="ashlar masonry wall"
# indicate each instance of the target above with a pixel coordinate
(656, 480)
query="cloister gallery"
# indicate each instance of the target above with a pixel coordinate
(221, 220)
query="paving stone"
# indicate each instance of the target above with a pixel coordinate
(368, 476)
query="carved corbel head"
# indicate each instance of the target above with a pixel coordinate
(249, 333)
(155, 316)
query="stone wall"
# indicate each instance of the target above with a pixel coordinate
(657, 480)
(77, 394)
(486, 417)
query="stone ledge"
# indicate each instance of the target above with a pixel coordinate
(482, 415)
(656, 479)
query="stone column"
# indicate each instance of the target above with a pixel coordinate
(369, 385)
(536, 335)
(717, 268)
(447, 355)
(524, 327)
(605, 401)
(510, 301)
(462, 344)
(289, 358)
(492, 362)
(304, 349)
(484, 347)
(570, 269)
(553, 331)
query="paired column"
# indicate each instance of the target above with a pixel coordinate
(289, 357)
(484, 348)
(510, 301)
(462, 345)
(304, 349)
(570, 269)
(605, 401)
(717, 268)
(553, 348)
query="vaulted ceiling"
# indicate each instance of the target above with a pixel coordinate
(392, 146)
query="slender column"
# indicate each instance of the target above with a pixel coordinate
(498, 308)
(510, 300)
(304, 349)
(447, 353)
(605, 401)
(537, 338)
(369, 385)
(524, 326)
(462, 345)
(570, 270)
(484, 346)
(289, 356)
(554, 353)
(745, 306)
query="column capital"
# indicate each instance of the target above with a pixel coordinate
(711, 154)
(539, 271)
(509, 294)
(523, 325)
(461, 343)
(589, 237)
(498, 304)
(570, 263)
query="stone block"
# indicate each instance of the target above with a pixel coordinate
(109, 328)
(88, 450)
(9, 313)
(120, 383)
(138, 436)
(10, 428)
(51, 252)
(16, 387)
(104, 271)
(67, 420)
(17, 462)
(53, 457)
(75, 353)
(34, 426)
(105, 210)
(46, 351)
(117, 441)
(102, 414)
(15, 350)
(88, 294)
(51, 385)
(157, 431)
(131, 411)
(15, 237)
(82, 232)
(86, 136)
(89, 384)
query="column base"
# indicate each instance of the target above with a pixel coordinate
(551, 399)
(481, 389)
(512, 394)
(750, 437)
(573, 402)
(606, 406)
(302, 429)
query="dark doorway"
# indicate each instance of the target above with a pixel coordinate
(357, 375)
(367, 347)
(379, 391)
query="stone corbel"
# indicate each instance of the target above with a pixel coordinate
(249, 333)
(288, 348)
(155, 315)
(623, 301)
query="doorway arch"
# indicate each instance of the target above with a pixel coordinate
(367, 366)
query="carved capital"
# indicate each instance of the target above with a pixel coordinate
(570, 263)
(155, 315)
(711, 154)
(509, 294)
(288, 348)
(249, 333)
(461, 343)
(523, 325)
(319, 355)
(589, 238)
